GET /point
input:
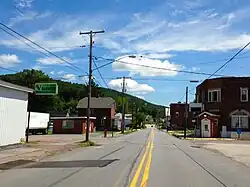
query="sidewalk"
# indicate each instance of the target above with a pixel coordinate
(235, 149)
(41, 146)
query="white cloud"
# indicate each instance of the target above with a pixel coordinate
(155, 34)
(195, 69)
(149, 33)
(145, 71)
(52, 60)
(28, 16)
(157, 55)
(139, 96)
(38, 67)
(24, 3)
(73, 77)
(9, 60)
(70, 77)
(131, 86)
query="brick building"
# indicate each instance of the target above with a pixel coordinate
(177, 116)
(226, 100)
(103, 108)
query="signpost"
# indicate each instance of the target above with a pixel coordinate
(41, 89)
(46, 88)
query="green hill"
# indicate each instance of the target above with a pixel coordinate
(70, 93)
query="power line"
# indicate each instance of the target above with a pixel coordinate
(154, 79)
(43, 53)
(225, 64)
(7, 69)
(229, 60)
(39, 46)
(153, 67)
(100, 74)
(65, 47)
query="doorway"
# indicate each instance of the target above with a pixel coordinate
(206, 128)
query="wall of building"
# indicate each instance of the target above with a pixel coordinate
(177, 121)
(99, 113)
(76, 126)
(230, 98)
(13, 114)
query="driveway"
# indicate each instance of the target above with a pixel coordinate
(237, 150)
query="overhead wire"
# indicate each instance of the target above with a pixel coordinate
(100, 74)
(229, 60)
(224, 65)
(7, 69)
(39, 46)
(153, 67)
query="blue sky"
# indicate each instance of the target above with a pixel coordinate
(189, 35)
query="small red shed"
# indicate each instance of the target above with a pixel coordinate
(208, 124)
(72, 125)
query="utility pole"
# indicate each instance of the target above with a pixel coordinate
(186, 114)
(90, 33)
(136, 116)
(133, 114)
(123, 103)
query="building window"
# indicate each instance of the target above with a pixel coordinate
(239, 119)
(206, 128)
(177, 114)
(214, 95)
(243, 94)
(68, 124)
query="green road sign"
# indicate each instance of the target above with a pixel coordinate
(46, 88)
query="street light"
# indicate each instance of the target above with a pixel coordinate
(186, 108)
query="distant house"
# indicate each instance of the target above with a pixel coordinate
(177, 116)
(103, 108)
(13, 112)
(226, 107)
(118, 120)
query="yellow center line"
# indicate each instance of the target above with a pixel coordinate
(147, 167)
(138, 171)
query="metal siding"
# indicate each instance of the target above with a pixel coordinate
(13, 115)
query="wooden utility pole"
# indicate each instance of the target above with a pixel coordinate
(123, 103)
(186, 114)
(90, 77)
(123, 98)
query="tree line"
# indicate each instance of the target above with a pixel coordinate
(70, 93)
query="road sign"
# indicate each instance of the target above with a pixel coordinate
(46, 88)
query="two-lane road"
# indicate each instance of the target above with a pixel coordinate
(146, 158)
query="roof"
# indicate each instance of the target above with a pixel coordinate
(225, 78)
(96, 102)
(15, 87)
(208, 113)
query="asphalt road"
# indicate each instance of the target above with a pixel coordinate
(145, 158)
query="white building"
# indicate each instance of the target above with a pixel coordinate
(13, 112)
(118, 120)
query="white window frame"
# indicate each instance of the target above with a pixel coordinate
(211, 99)
(241, 94)
(239, 118)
